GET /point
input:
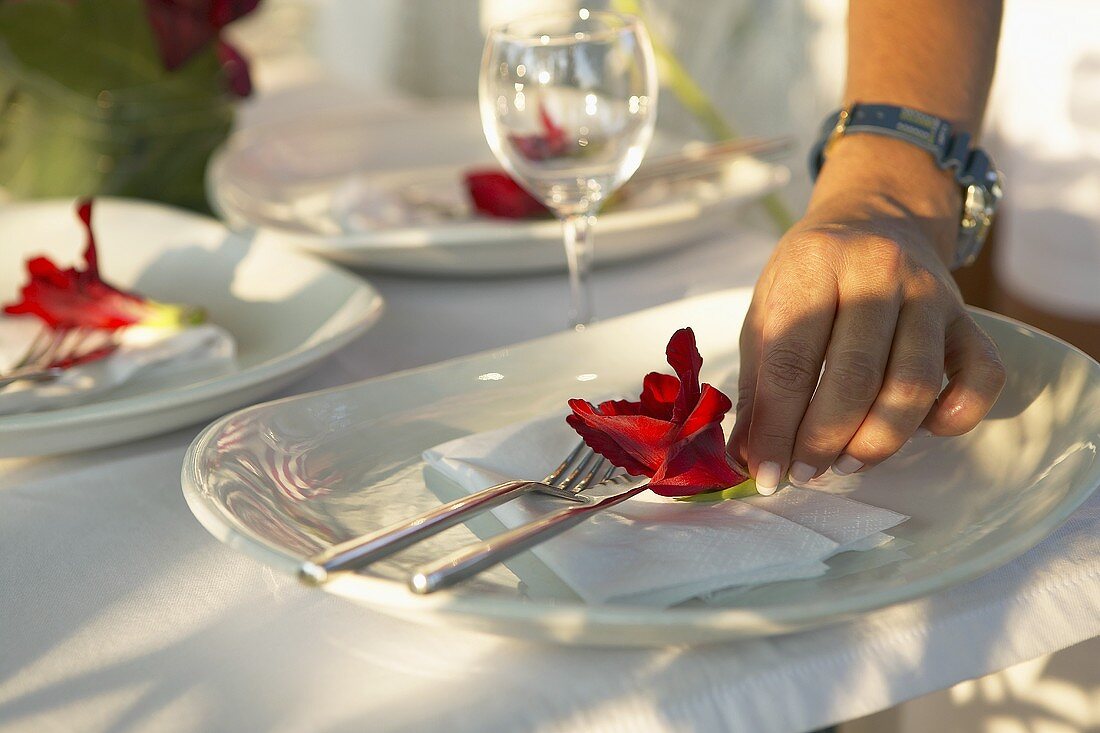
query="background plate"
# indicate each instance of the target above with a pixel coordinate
(283, 480)
(293, 181)
(287, 311)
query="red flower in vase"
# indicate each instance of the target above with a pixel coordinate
(673, 433)
(495, 193)
(79, 298)
(184, 27)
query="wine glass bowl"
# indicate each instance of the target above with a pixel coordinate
(568, 103)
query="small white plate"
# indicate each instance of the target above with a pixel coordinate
(307, 182)
(283, 480)
(286, 311)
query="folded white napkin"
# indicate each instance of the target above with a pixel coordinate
(653, 550)
(150, 352)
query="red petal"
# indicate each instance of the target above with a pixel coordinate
(712, 406)
(553, 133)
(550, 143)
(620, 407)
(42, 268)
(224, 12)
(91, 259)
(683, 356)
(659, 395)
(184, 27)
(235, 68)
(698, 461)
(76, 298)
(633, 442)
(697, 465)
(180, 31)
(495, 194)
(673, 434)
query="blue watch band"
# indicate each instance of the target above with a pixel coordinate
(950, 151)
(971, 167)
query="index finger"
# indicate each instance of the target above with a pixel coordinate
(798, 322)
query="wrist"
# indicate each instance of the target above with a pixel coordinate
(867, 177)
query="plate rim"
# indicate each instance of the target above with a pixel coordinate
(389, 596)
(213, 387)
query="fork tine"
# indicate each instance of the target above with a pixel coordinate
(569, 460)
(48, 356)
(582, 469)
(38, 349)
(590, 477)
(31, 353)
(77, 343)
(610, 471)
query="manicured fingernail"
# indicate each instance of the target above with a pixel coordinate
(846, 465)
(802, 472)
(924, 433)
(767, 477)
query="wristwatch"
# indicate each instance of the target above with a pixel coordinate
(973, 169)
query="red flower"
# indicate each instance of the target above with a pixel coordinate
(184, 27)
(673, 434)
(75, 298)
(494, 193)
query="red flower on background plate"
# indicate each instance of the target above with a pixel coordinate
(79, 298)
(182, 28)
(495, 193)
(673, 433)
(550, 143)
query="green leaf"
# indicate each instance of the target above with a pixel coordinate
(89, 46)
(87, 107)
(740, 491)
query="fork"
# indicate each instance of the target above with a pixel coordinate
(469, 561)
(54, 350)
(575, 474)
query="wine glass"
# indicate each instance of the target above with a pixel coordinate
(568, 103)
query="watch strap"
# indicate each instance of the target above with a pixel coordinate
(950, 151)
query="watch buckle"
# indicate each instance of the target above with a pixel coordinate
(842, 121)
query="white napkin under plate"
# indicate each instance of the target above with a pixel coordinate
(653, 550)
(146, 351)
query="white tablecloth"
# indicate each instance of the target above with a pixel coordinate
(118, 612)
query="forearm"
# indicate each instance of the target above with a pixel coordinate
(933, 55)
(936, 56)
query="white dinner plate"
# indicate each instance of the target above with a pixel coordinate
(286, 312)
(283, 480)
(320, 184)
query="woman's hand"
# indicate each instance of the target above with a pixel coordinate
(861, 286)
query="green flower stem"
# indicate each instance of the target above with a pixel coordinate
(172, 315)
(695, 100)
(740, 491)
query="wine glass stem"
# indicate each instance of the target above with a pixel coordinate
(577, 234)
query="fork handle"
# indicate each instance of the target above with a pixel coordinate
(360, 551)
(470, 561)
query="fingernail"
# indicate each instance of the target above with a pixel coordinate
(802, 472)
(924, 433)
(846, 465)
(767, 477)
